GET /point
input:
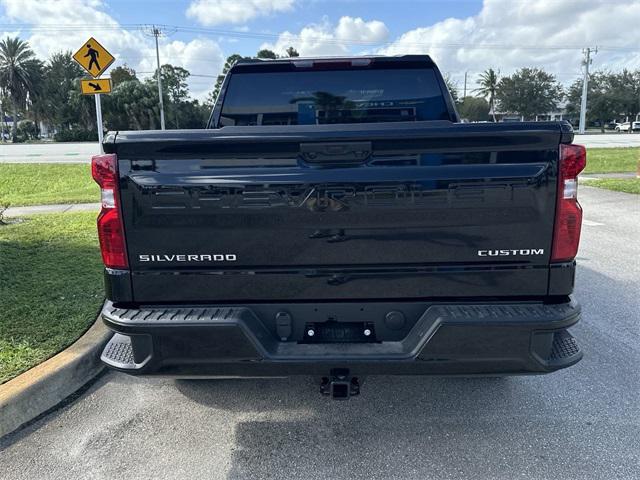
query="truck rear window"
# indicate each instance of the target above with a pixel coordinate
(334, 96)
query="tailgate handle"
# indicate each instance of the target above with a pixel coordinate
(336, 153)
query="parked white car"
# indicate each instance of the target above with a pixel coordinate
(626, 126)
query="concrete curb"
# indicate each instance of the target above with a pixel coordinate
(44, 386)
(601, 176)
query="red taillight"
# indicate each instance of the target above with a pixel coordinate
(566, 231)
(110, 230)
(104, 170)
(111, 237)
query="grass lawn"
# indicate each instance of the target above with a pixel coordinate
(610, 160)
(50, 287)
(627, 185)
(45, 183)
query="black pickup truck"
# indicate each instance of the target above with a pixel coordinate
(336, 219)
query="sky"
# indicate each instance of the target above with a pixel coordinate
(461, 35)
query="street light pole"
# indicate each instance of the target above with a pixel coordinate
(585, 85)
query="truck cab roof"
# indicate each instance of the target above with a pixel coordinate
(354, 61)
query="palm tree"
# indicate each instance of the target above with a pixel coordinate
(488, 82)
(19, 72)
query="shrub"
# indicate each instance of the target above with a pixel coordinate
(27, 130)
(76, 135)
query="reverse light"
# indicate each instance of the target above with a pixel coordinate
(568, 222)
(110, 230)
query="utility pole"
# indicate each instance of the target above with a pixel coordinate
(585, 86)
(156, 31)
(464, 94)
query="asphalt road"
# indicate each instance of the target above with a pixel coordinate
(82, 152)
(580, 423)
(609, 140)
(48, 152)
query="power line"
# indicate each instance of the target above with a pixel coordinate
(296, 37)
(190, 74)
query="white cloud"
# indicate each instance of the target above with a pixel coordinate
(356, 29)
(71, 17)
(324, 39)
(60, 12)
(534, 23)
(216, 12)
(199, 56)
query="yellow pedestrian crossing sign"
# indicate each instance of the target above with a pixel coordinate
(93, 57)
(93, 86)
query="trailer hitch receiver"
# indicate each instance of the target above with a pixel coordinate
(340, 385)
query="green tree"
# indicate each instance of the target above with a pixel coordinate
(266, 53)
(611, 96)
(452, 86)
(192, 114)
(601, 104)
(60, 83)
(488, 86)
(33, 101)
(84, 111)
(19, 74)
(174, 84)
(474, 109)
(625, 89)
(210, 99)
(292, 52)
(133, 105)
(121, 74)
(529, 92)
(231, 61)
(27, 130)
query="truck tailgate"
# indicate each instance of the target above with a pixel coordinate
(402, 210)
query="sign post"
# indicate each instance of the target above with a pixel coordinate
(95, 59)
(99, 121)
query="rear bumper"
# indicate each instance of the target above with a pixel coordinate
(440, 339)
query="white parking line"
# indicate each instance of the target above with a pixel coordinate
(590, 223)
